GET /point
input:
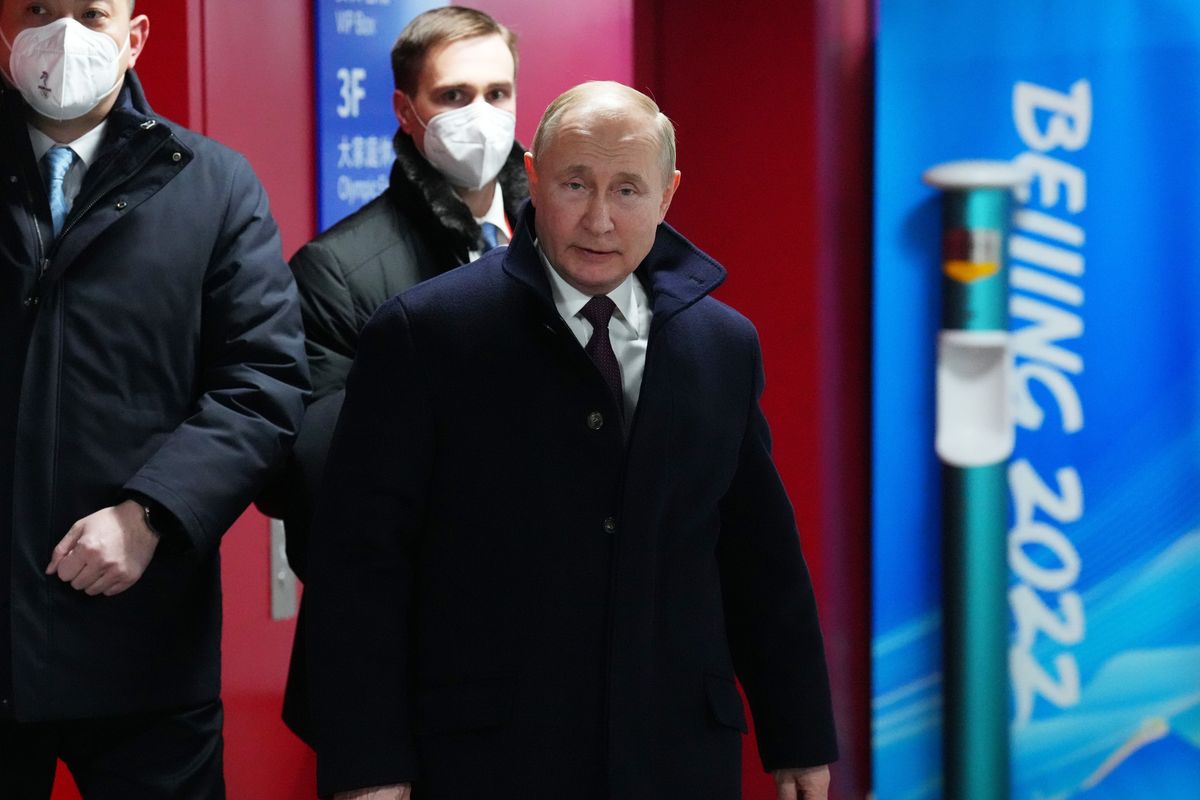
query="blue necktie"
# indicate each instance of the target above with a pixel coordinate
(491, 234)
(58, 162)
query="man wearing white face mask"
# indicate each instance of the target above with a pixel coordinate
(454, 191)
(152, 367)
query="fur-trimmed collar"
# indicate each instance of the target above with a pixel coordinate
(426, 197)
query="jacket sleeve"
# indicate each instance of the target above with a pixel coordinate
(331, 331)
(251, 373)
(331, 322)
(361, 567)
(771, 613)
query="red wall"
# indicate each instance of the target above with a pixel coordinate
(552, 59)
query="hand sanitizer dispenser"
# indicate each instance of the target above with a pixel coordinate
(974, 438)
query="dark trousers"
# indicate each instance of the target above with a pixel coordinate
(168, 755)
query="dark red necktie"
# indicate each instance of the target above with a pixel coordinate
(598, 311)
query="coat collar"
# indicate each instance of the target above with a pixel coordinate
(676, 273)
(134, 131)
(133, 136)
(131, 107)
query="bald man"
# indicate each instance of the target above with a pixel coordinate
(552, 535)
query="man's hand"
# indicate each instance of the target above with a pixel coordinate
(106, 552)
(811, 783)
(400, 791)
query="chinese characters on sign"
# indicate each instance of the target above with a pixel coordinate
(355, 124)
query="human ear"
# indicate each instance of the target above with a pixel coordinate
(531, 174)
(668, 195)
(139, 32)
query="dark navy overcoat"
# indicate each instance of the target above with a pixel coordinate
(513, 599)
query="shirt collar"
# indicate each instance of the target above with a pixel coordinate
(570, 301)
(86, 146)
(495, 214)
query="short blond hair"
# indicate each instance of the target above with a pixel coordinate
(583, 93)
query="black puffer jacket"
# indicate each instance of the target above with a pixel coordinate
(418, 228)
(415, 230)
(154, 348)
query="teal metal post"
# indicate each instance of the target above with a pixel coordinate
(974, 441)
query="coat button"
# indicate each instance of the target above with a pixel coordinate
(176, 157)
(595, 420)
(610, 525)
(121, 205)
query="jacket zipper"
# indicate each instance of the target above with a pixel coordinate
(43, 262)
(35, 297)
(145, 126)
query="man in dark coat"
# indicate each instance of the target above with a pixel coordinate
(552, 534)
(447, 63)
(152, 364)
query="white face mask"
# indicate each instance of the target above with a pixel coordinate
(469, 145)
(64, 69)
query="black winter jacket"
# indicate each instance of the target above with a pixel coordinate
(154, 348)
(415, 230)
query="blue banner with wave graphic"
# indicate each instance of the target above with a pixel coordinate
(1096, 102)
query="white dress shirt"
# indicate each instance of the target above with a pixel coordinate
(86, 147)
(628, 329)
(494, 215)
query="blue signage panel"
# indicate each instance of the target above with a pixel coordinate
(1096, 101)
(355, 122)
